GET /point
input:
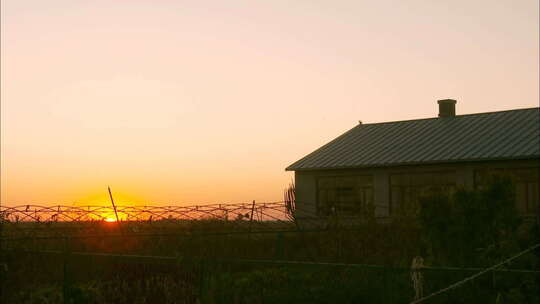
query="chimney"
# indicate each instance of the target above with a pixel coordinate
(447, 107)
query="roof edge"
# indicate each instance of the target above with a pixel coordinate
(524, 157)
(289, 168)
(453, 117)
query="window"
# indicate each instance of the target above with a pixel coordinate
(526, 186)
(344, 195)
(406, 189)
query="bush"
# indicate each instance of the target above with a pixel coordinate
(471, 227)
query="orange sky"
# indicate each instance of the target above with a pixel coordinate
(208, 101)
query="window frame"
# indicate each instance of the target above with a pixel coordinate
(361, 191)
(393, 207)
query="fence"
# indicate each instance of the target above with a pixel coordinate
(61, 213)
(245, 260)
(215, 280)
(36, 220)
(259, 212)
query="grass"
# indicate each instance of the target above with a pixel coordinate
(201, 275)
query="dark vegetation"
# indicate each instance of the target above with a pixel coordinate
(219, 261)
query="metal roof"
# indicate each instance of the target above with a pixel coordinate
(513, 134)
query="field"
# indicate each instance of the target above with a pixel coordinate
(241, 260)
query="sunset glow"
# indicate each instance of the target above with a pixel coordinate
(193, 102)
(233, 151)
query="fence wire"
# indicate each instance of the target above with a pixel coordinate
(219, 253)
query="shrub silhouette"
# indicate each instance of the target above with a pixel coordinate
(471, 227)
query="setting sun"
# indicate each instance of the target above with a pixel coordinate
(110, 220)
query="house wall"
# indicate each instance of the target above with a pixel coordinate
(306, 181)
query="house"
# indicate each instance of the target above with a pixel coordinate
(384, 167)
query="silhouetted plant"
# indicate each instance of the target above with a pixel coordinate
(289, 197)
(468, 226)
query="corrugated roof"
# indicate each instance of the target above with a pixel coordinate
(513, 134)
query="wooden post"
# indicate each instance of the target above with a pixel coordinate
(115, 213)
(112, 202)
(66, 275)
(385, 284)
(251, 218)
(280, 248)
(494, 284)
(252, 209)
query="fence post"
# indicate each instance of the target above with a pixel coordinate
(251, 222)
(204, 280)
(279, 246)
(3, 259)
(385, 284)
(494, 284)
(251, 217)
(66, 284)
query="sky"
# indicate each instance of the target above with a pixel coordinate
(184, 102)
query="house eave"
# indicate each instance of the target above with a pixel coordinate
(405, 164)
